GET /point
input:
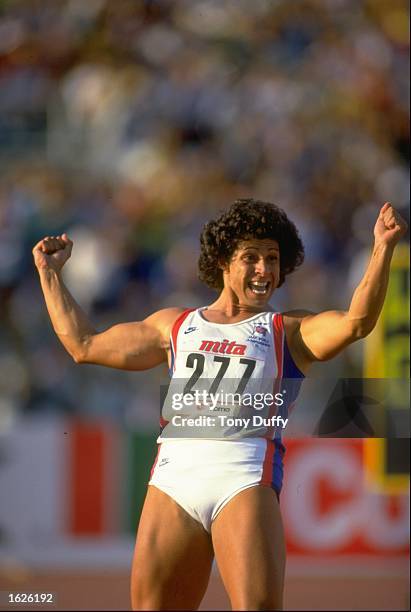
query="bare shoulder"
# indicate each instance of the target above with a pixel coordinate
(292, 325)
(293, 318)
(163, 319)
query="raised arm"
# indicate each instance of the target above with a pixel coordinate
(129, 346)
(322, 336)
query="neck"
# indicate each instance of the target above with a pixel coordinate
(228, 304)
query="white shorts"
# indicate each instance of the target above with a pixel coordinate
(202, 476)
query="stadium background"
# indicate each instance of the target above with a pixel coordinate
(128, 124)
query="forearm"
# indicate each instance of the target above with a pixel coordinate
(368, 298)
(69, 321)
(324, 335)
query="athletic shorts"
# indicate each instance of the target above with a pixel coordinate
(202, 476)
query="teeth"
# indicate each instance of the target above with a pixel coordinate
(259, 287)
(258, 284)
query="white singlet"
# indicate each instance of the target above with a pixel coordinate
(210, 450)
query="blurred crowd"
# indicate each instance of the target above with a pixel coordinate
(130, 123)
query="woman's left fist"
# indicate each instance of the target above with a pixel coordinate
(390, 226)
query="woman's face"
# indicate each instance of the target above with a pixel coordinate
(253, 272)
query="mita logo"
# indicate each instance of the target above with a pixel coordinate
(225, 347)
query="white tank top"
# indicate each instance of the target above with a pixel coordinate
(224, 374)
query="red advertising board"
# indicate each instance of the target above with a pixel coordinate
(327, 508)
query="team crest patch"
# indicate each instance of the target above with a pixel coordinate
(259, 336)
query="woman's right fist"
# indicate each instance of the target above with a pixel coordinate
(52, 252)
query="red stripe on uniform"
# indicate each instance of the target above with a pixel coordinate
(163, 422)
(155, 461)
(267, 475)
(278, 329)
(173, 341)
(175, 329)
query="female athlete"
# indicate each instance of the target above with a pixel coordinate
(219, 497)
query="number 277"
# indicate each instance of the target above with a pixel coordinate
(197, 361)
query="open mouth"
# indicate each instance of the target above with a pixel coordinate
(259, 288)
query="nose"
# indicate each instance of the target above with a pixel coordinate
(262, 267)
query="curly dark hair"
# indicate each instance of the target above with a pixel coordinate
(247, 218)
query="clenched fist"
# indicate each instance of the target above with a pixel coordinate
(390, 226)
(52, 252)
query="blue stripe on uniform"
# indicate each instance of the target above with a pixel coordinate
(277, 469)
(171, 369)
(291, 382)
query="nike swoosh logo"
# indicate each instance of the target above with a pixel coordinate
(189, 330)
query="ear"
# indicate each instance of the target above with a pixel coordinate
(223, 265)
